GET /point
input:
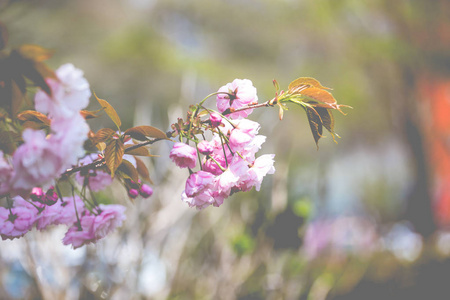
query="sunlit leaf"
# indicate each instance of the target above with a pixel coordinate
(128, 168)
(110, 111)
(113, 155)
(141, 133)
(101, 146)
(304, 82)
(142, 170)
(324, 98)
(32, 115)
(103, 135)
(88, 114)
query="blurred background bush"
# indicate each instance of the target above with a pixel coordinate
(364, 219)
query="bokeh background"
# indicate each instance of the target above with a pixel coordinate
(364, 219)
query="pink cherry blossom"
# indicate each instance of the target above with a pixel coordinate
(205, 148)
(35, 162)
(81, 233)
(244, 132)
(70, 93)
(262, 166)
(68, 139)
(63, 212)
(198, 182)
(183, 155)
(17, 222)
(198, 191)
(237, 94)
(110, 218)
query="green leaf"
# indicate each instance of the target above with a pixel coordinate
(304, 82)
(110, 111)
(113, 155)
(141, 133)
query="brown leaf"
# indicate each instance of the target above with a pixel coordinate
(113, 155)
(110, 111)
(88, 114)
(324, 98)
(17, 99)
(141, 133)
(103, 135)
(9, 141)
(142, 170)
(128, 168)
(35, 53)
(32, 115)
(327, 120)
(141, 151)
(304, 82)
(315, 123)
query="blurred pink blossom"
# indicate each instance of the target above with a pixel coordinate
(70, 93)
(17, 222)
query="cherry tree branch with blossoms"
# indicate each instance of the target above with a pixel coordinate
(51, 144)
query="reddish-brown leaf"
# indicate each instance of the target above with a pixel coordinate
(142, 170)
(141, 133)
(128, 168)
(88, 114)
(324, 98)
(9, 141)
(35, 53)
(304, 82)
(110, 111)
(34, 116)
(103, 135)
(113, 155)
(141, 151)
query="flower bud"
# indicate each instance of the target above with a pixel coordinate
(215, 119)
(145, 191)
(133, 193)
(50, 197)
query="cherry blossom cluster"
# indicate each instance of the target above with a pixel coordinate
(229, 162)
(43, 157)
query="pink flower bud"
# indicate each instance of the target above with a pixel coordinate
(215, 119)
(50, 197)
(145, 191)
(133, 193)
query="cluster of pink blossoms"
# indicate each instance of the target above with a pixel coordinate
(43, 157)
(23, 216)
(229, 164)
